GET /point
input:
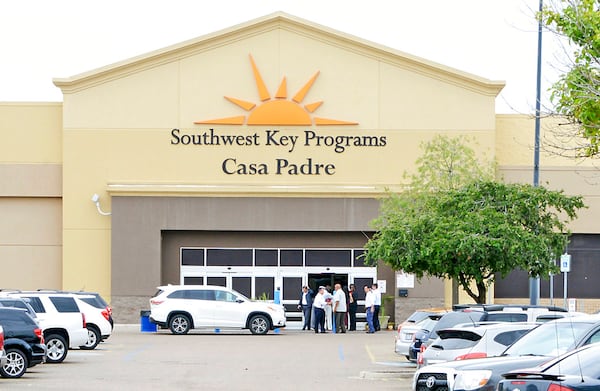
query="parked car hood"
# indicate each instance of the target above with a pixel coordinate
(501, 363)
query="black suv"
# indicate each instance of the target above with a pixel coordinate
(23, 342)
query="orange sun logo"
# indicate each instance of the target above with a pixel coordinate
(278, 110)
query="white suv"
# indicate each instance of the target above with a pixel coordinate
(63, 323)
(97, 315)
(185, 307)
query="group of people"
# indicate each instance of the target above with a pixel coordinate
(324, 310)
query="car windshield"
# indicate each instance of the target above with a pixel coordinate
(549, 339)
(418, 316)
(582, 363)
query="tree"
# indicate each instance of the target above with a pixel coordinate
(576, 94)
(472, 232)
(448, 163)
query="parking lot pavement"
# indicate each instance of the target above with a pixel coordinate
(288, 359)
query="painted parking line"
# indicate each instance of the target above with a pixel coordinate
(371, 356)
(131, 355)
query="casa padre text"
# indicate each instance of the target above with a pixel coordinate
(276, 139)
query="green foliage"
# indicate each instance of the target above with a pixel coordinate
(447, 163)
(472, 232)
(263, 296)
(577, 93)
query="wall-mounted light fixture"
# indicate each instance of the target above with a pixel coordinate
(96, 200)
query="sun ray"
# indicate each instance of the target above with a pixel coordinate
(242, 103)
(263, 93)
(327, 121)
(299, 97)
(282, 91)
(279, 110)
(311, 107)
(237, 120)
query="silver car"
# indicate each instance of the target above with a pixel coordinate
(406, 334)
(479, 340)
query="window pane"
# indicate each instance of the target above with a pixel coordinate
(359, 261)
(292, 288)
(225, 296)
(229, 257)
(218, 281)
(201, 294)
(177, 295)
(291, 257)
(328, 258)
(37, 305)
(265, 257)
(264, 285)
(93, 302)
(192, 257)
(359, 284)
(242, 285)
(64, 304)
(193, 280)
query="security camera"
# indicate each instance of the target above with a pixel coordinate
(95, 198)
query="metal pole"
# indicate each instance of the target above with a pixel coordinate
(565, 289)
(551, 289)
(534, 282)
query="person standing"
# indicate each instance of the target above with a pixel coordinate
(328, 308)
(369, 308)
(377, 295)
(319, 305)
(352, 307)
(305, 304)
(339, 309)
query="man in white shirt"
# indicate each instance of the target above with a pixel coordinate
(377, 294)
(369, 308)
(339, 308)
(319, 306)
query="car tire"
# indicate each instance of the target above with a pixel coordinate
(94, 338)
(57, 348)
(259, 324)
(16, 364)
(179, 324)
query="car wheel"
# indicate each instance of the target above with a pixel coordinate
(16, 364)
(57, 349)
(179, 324)
(259, 324)
(93, 338)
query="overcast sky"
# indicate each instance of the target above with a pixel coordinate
(495, 39)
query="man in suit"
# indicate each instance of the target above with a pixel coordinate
(352, 307)
(305, 304)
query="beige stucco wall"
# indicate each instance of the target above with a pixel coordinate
(515, 136)
(31, 195)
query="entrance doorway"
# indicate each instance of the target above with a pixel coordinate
(327, 280)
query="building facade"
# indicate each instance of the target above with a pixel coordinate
(253, 157)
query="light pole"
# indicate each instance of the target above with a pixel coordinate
(534, 282)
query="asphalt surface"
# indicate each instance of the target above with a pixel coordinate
(209, 360)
